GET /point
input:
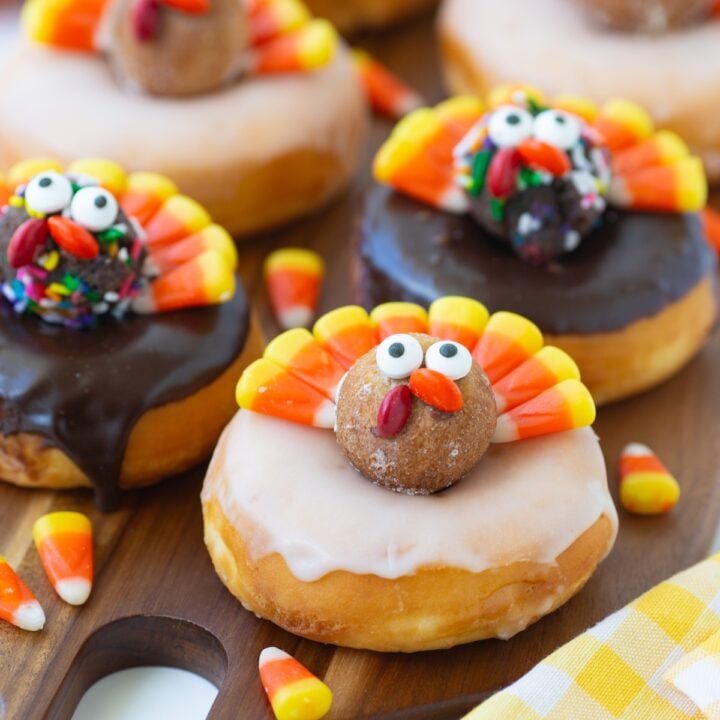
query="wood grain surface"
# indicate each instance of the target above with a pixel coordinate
(157, 600)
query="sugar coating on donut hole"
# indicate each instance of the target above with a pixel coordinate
(180, 53)
(434, 449)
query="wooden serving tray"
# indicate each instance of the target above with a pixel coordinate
(157, 599)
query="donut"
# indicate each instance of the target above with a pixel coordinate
(122, 328)
(393, 533)
(585, 220)
(219, 129)
(485, 43)
(353, 15)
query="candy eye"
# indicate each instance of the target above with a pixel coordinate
(557, 128)
(509, 125)
(398, 355)
(94, 208)
(49, 192)
(449, 358)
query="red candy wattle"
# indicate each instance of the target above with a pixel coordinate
(73, 238)
(503, 171)
(145, 19)
(25, 241)
(394, 411)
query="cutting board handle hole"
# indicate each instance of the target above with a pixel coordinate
(136, 641)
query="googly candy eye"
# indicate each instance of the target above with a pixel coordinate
(398, 355)
(94, 208)
(509, 125)
(48, 192)
(449, 358)
(558, 128)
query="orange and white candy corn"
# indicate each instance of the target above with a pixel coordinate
(457, 318)
(309, 48)
(64, 543)
(646, 485)
(302, 355)
(145, 194)
(387, 94)
(207, 279)
(178, 217)
(269, 389)
(18, 605)
(508, 340)
(213, 237)
(623, 123)
(662, 148)
(399, 317)
(547, 367)
(293, 691)
(270, 18)
(294, 277)
(566, 406)
(347, 333)
(63, 23)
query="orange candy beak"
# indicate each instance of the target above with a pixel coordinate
(436, 390)
(543, 156)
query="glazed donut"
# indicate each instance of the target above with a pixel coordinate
(110, 380)
(352, 15)
(585, 220)
(403, 531)
(222, 133)
(660, 72)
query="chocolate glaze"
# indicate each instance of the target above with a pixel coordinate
(84, 390)
(631, 267)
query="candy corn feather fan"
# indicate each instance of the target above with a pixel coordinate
(537, 388)
(283, 35)
(651, 170)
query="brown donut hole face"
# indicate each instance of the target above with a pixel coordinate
(646, 15)
(433, 450)
(189, 54)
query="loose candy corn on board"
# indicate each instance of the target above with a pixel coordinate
(157, 600)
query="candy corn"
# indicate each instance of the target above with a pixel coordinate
(566, 406)
(64, 542)
(18, 605)
(63, 23)
(457, 318)
(110, 175)
(294, 277)
(293, 691)
(212, 237)
(205, 280)
(417, 158)
(270, 18)
(547, 367)
(662, 148)
(387, 94)
(145, 194)
(347, 333)
(711, 224)
(267, 388)
(646, 486)
(22, 172)
(680, 187)
(309, 48)
(577, 105)
(508, 340)
(514, 94)
(178, 217)
(622, 123)
(399, 317)
(302, 355)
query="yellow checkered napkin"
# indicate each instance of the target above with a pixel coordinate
(656, 659)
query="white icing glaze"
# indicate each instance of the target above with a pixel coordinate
(550, 44)
(524, 501)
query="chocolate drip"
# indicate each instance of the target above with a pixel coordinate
(629, 268)
(84, 390)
